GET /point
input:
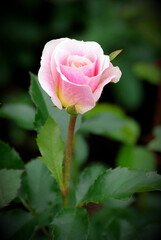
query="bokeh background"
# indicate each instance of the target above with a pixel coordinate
(134, 26)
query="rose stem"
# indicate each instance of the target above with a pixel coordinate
(74, 169)
(67, 162)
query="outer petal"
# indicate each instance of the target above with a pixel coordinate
(116, 71)
(73, 94)
(95, 80)
(47, 82)
(106, 62)
(110, 74)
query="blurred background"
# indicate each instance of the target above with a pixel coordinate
(134, 26)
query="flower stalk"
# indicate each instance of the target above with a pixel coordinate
(67, 162)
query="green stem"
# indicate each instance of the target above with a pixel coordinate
(74, 170)
(65, 200)
(67, 162)
(45, 231)
(27, 206)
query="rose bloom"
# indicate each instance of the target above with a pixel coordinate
(73, 73)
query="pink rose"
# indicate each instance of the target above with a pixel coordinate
(74, 73)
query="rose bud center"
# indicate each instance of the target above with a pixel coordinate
(77, 61)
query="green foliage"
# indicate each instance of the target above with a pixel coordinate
(39, 189)
(86, 180)
(52, 148)
(104, 107)
(127, 223)
(133, 26)
(129, 134)
(40, 238)
(114, 54)
(128, 84)
(121, 183)
(71, 223)
(136, 157)
(117, 203)
(155, 144)
(157, 131)
(81, 150)
(111, 121)
(9, 185)
(45, 109)
(22, 114)
(102, 124)
(39, 98)
(17, 225)
(9, 157)
(147, 71)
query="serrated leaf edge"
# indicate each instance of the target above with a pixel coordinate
(125, 198)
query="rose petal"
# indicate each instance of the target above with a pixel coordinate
(84, 64)
(74, 75)
(116, 71)
(82, 48)
(77, 61)
(94, 81)
(45, 75)
(79, 95)
(106, 62)
(110, 74)
(88, 70)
